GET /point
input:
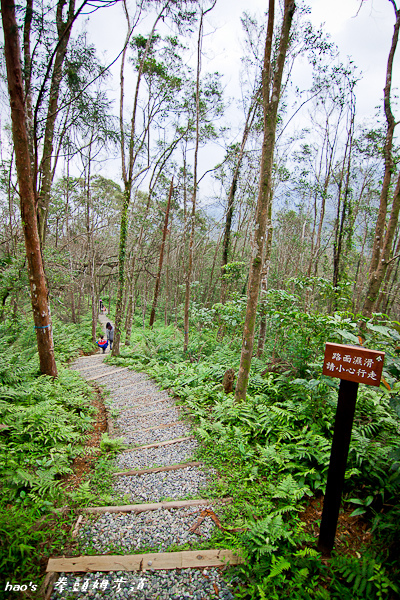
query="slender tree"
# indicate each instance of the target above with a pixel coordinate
(37, 280)
(160, 262)
(136, 143)
(232, 191)
(270, 103)
(195, 181)
(384, 232)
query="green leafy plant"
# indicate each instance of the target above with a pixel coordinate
(111, 445)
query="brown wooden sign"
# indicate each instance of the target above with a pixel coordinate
(353, 363)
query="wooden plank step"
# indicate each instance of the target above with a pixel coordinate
(157, 444)
(100, 365)
(105, 374)
(158, 469)
(122, 388)
(142, 562)
(156, 427)
(138, 383)
(149, 403)
(152, 412)
(153, 506)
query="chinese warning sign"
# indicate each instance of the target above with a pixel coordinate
(353, 363)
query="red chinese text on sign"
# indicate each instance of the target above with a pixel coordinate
(353, 363)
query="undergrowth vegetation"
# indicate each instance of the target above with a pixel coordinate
(43, 427)
(272, 452)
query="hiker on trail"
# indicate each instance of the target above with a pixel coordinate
(102, 343)
(110, 334)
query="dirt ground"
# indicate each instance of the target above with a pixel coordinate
(82, 465)
(352, 532)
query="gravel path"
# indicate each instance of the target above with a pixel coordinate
(183, 584)
(154, 487)
(137, 438)
(157, 457)
(138, 405)
(156, 530)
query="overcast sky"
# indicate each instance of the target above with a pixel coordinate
(361, 32)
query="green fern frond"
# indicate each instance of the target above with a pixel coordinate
(278, 566)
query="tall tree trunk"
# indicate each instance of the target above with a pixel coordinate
(383, 300)
(123, 234)
(37, 281)
(270, 103)
(73, 313)
(377, 276)
(209, 290)
(28, 72)
(90, 245)
(194, 196)
(64, 32)
(167, 279)
(341, 219)
(127, 170)
(381, 250)
(264, 287)
(232, 191)
(160, 262)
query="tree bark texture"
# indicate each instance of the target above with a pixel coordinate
(123, 234)
(37, 281)
(271, 103)
(264, 286)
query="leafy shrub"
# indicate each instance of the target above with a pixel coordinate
(111, 445)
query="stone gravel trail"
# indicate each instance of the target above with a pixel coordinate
(143, 414)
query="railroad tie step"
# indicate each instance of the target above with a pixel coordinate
(141, 404)
(157, 444)
(154, 505)
(142, 562)
(158, 469)
(127, 409)
(105, 374)
(94, 367)
(157, 427)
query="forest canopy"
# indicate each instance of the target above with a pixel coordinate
(224, 229)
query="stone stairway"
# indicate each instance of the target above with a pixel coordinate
(131, 550)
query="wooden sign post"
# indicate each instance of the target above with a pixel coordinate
(353, 365)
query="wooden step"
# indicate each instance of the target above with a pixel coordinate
(138, 383)
(158, 469)
(129, 406)
(157, 444)
(143, 562)
(105, 374)
(154, 506)
(150, 412)
(100, 365)
(156, 427)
